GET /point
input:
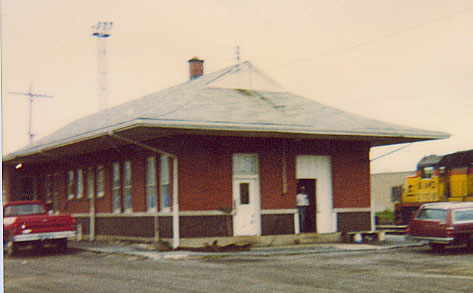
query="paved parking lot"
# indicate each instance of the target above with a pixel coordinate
(415, 269)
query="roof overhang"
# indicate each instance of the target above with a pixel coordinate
(144, 130)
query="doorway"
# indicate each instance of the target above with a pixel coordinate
(310, 186)
(246, 198)
(318, 168)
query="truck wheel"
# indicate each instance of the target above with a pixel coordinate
(11, 248)
(61, 245)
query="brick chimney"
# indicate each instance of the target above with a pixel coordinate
(196, 67)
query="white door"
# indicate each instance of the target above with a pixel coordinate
(319, 168)
(246, 219)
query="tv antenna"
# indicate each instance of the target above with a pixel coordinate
(101, 31)
(31, 97)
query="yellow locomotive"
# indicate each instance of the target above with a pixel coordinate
(437, 179)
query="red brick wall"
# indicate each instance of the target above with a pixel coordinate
(351, 176)
(138, 178)
(205, 171)
(205, 175)
(271, 170)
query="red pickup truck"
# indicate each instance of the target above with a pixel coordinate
(442, 224)
(28, 223)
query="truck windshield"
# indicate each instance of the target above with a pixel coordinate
(432, 215)
(25, 209)
(463, 216)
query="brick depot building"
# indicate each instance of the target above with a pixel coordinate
(220, 156)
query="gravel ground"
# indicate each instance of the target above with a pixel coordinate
(415, 269)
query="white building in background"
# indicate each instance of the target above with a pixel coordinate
(385, 188)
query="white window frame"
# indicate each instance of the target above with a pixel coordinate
(128, 186)
(245, 165)
(164, 184)
(100, 181)
(151, 184)
(116, 187)
(70, 176)
(79, 183)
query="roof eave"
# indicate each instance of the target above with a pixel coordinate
(228, 129)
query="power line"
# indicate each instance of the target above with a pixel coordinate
(384, 36)
(393, 34)
(391, 152)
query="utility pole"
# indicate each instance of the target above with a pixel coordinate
(31, 96)
(101, 31)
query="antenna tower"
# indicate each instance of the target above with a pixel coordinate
(31, 97)
(101, 31)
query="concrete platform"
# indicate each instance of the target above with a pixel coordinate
(151, 252)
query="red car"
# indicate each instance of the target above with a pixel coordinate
(442, 224)
(28, 223)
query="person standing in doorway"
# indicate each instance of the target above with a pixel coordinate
(302, 202)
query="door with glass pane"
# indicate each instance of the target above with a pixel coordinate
(246, 219)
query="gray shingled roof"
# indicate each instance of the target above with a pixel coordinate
(237, 98)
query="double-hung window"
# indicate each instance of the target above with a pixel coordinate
(95, 181)
(70, 184)
(100, 174)
(164, 184)
(151, 183)
(127, 187)
(80, 183)
(116, 187)
(75, 183)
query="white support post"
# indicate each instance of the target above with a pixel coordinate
(175, 206)
(297, 228)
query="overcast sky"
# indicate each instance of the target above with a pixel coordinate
(405, 62)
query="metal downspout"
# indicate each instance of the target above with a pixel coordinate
(175, 204)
